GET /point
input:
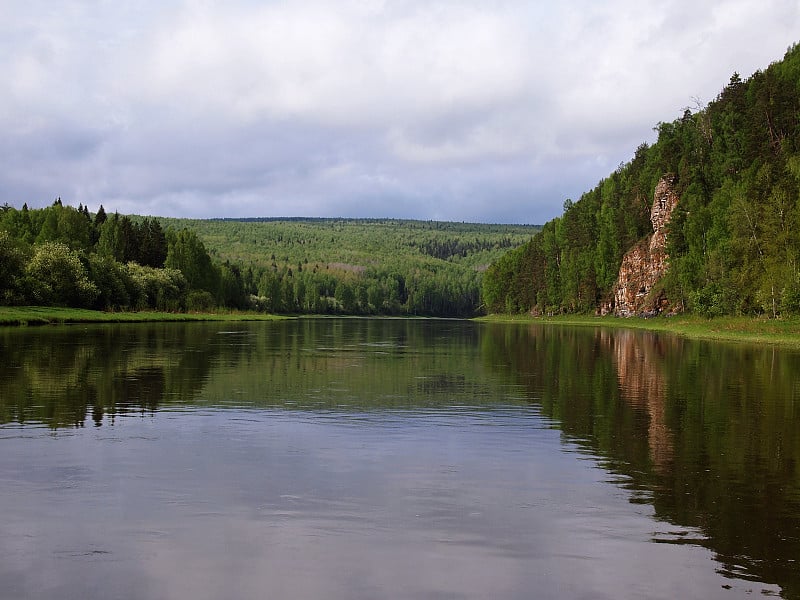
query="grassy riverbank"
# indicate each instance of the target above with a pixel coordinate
(46, 315)
(782, 332)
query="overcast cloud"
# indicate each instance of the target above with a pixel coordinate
(457, 110)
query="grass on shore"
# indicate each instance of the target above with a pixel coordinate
(48, 315)
(759, 330)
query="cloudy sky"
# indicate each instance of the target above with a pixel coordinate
(463, 110)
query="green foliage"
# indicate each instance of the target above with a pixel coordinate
(319, 266)
(112, 241)
(390, 266)
(113, 281)
(734, 240)
(187, 253)
(12, 261)
(56, 223)
(231, 287)
(109, 263)
(345, 298)
(200, 301)
(126, 240)
(159, 289)
(152, 244)
(790, 298)
(712, 300)
(501, 286)
(56, 276)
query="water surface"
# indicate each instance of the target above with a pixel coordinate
(394, 459)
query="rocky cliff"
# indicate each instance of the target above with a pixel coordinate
(645, 264)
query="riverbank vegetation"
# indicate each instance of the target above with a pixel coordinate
(65, 256)
(734, 238)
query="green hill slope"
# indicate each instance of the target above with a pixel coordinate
(733, 241)
(359, 266)
(359, 242)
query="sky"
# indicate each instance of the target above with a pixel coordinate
(451, 110)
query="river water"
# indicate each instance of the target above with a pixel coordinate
(356, 458)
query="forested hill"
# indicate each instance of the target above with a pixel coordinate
(733, 241)
(359, 266)
(65, 256)
(386, 243)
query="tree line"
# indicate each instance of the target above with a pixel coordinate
(63, 256)
(734, 239)
(66, 256)
(452, 247)
(359, 266)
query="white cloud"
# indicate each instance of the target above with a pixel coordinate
(355, 107)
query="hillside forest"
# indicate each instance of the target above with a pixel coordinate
(67, 256)
(733, 242)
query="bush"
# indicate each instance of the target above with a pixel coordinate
(712, 301)
(200, 301)
(790, 299)
(56, 276)
(113, 281)
(161, 289)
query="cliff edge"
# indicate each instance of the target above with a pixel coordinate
(644, 265)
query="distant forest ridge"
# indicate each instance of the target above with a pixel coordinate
(363, 242)
(65, 256)
(733, 240)
(457, 225)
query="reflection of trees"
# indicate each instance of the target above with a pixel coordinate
(58, 376)
(710, 433)
(141, 388)
(353, 364)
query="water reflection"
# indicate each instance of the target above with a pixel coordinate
(60, 376)
(311, 425)
(708, 434)
(638, 359)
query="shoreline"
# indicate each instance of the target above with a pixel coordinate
(24, 316)
(753, 330)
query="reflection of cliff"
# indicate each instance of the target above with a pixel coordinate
(638, 359)
(711, 432)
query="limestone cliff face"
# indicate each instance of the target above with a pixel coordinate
(645, 264)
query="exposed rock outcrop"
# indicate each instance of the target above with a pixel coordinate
(645, 264)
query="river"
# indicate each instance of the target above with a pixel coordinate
(381, 458)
